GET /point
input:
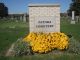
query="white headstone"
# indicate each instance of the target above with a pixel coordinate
(21, 18)
(44, 18)
(77, 18)
(24, 18)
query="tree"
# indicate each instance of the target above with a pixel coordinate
(3, 10)
(74, 6)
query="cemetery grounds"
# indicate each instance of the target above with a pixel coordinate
(10, 31)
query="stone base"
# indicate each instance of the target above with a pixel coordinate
(73, 22)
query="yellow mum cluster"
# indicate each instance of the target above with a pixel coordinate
(45, 42)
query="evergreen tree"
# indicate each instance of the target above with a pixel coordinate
(74, 6)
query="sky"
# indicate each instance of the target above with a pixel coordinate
(21, 6)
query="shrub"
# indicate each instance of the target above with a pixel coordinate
(22, 48)
(74, 46)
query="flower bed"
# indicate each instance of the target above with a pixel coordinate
(45, 42)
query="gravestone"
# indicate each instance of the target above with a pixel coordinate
(73, 18)
(77, 19)
(24, 17)
(44, 18)
(21, 18)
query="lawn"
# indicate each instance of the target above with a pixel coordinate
(10, 31)
(70, 29)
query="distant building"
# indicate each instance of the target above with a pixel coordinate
(3, 10)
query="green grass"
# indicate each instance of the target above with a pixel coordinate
(71, 29)
(10, 31)
(44, 57)
(8, 34)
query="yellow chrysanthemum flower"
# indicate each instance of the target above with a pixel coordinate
(43, 42)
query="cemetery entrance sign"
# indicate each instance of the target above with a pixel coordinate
(44, 18)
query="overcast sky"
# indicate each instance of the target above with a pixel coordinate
(21, 6)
